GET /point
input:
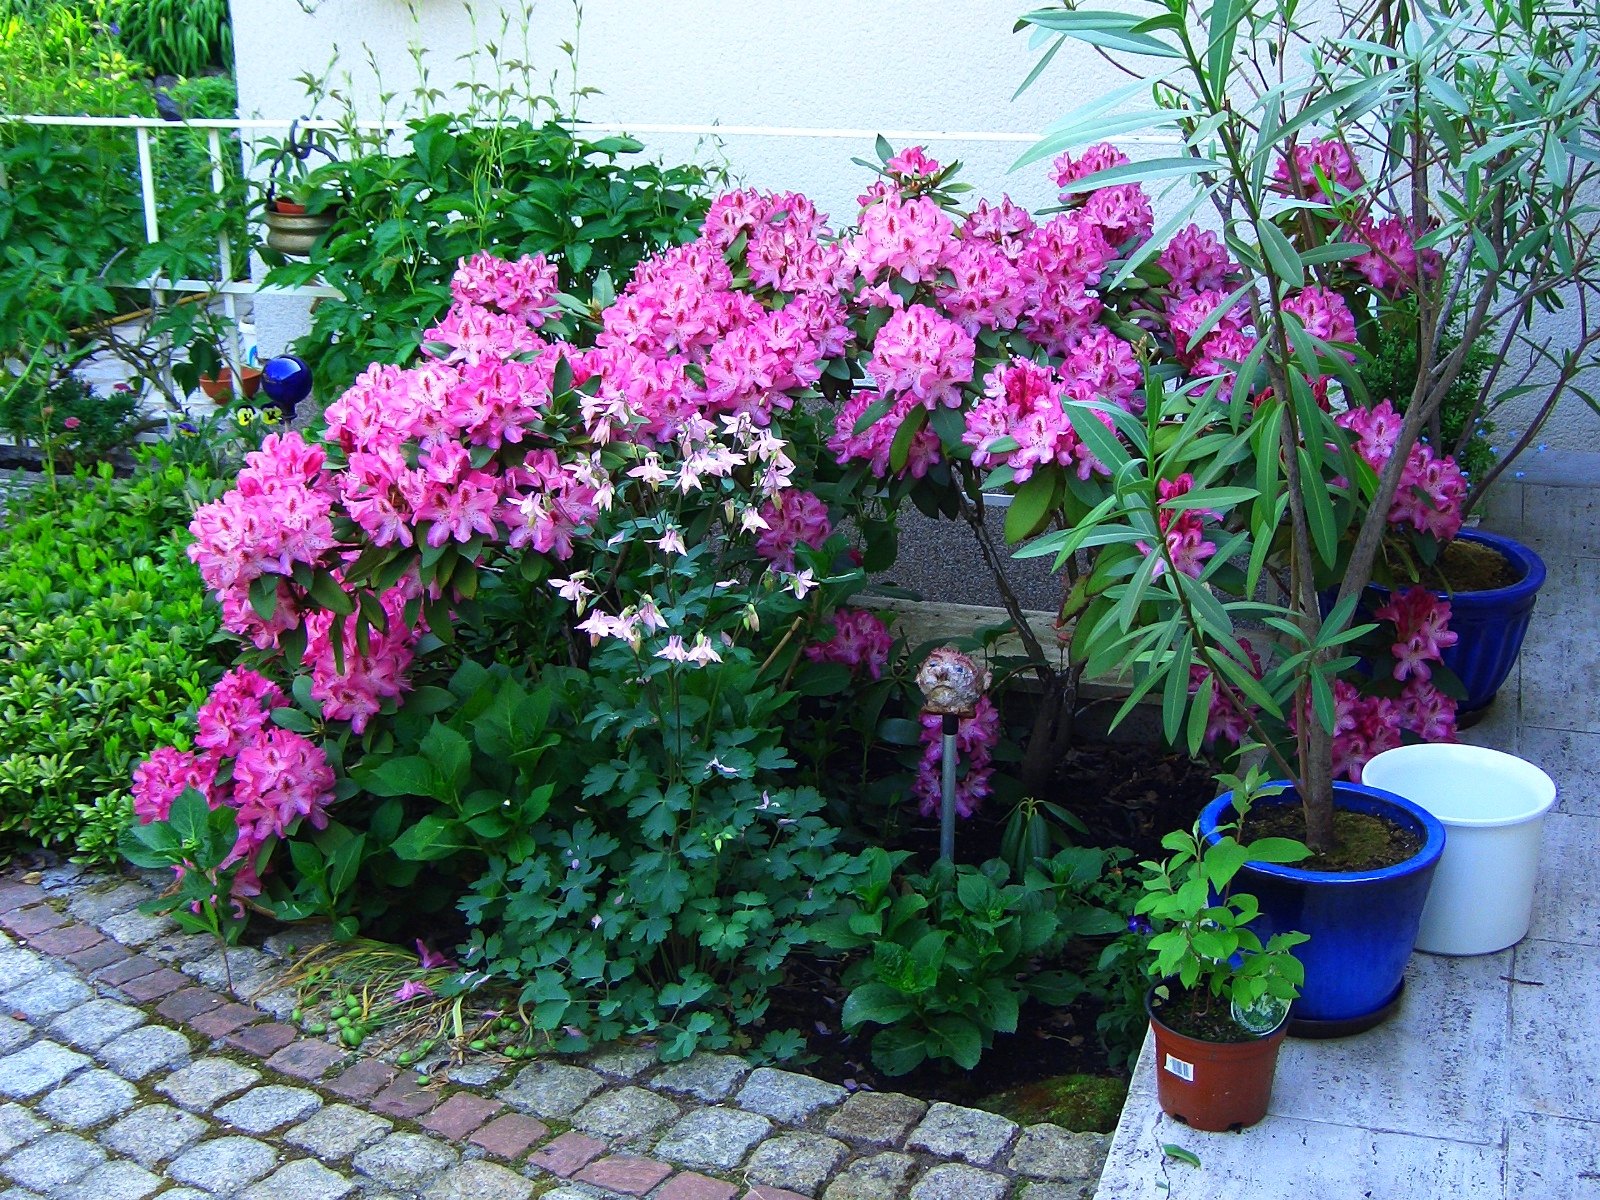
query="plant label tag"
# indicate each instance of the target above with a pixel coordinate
(1183, 1070)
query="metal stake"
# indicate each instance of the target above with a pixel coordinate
(947, 798)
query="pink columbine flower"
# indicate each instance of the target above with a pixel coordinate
(430, 959)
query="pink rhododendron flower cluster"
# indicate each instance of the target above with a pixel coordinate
(860, 640)
(873, 443)
(1183, 529)
(1226, 722)
(976, 738)
(1296, 173)
(278, 777)
(1120, 211)
(1422, 632)
(524, 288)
(792, 518)
(1432, 488)
(1325, 315)
(1197, 262)
(923, 353)
(1022, 401)
(1395, 263)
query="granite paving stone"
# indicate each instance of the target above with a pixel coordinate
(263, 1109)
(625, 1114)
(115, 1180)
(363, 1078)
(1050, 1152)
(89, 1098)
(46, 996)
(479, 1181)
(548, 1089)
(970, 1134)
(145, 1051)
(708, 1077)
(713, 1139)
(37, 1068)
(93, 1024)
(405, 1098)
(405, 1160)
(99, 904)
(53, 1161)
(338, 1131)
(153, 1133)
(691, 1185)
(223, 1164)
(207, 1082)
(509, 1136)
(17, 965)
(876, 1118)
(876, 1177)
(18, 1127)
(302, 1179)
(625, 1173)
(14, 1034)
(134, 928)
(460, 1115)
(786, 1096)
(627, 1063)
(569, 1153)
(957, 1181)
(799, 1161)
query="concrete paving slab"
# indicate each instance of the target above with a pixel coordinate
(1552, 1158)
(1561, 655)
(1554, 1010)
(1561, 520)
(1283, 1157)
(1571, 851)
(1424, 1071)
(1572, 759)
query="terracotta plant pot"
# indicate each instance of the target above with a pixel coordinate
(295, 233)
(1215, 1086)
(220, 386)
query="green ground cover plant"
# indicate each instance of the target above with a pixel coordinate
(106, 643)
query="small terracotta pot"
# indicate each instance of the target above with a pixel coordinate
(220, 386)
(289, 208)
(1215, 1086)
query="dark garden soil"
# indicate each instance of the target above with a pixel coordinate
(1364, 842)
(1201, 1016)
(1470, 567)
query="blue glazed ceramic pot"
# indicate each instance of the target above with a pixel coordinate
(1489, 625)
(1362, 924)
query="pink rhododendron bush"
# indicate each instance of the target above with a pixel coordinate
(560, 625)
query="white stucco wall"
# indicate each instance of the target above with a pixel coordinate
(869, 65)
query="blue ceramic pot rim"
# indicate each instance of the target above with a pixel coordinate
(1530, 565)
(1422, 860)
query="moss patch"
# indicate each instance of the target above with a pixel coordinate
(1362, 841)
(1084, 1103)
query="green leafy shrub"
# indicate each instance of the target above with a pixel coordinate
(406, 219)
(177, 37)
(106, 642)
(82, 427)
(949, 958)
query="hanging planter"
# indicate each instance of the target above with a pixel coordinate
(295, 222)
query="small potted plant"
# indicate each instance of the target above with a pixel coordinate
(1219, 1007)
(210, 366)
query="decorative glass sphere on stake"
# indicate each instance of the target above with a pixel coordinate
(286, 380)
(951, 684)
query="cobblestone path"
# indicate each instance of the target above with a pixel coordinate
(127, 1070)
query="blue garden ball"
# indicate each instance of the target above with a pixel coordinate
(286, 380)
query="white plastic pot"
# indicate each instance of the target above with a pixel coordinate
(1492, 806)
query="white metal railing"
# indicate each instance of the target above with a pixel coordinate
(225, 286)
